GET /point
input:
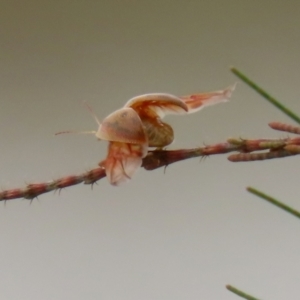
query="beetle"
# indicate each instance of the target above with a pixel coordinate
(131, 130)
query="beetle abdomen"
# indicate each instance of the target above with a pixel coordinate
(159, 134)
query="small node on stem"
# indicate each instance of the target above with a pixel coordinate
(235, 141)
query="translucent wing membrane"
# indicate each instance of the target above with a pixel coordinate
(157, 105)
(196, 102)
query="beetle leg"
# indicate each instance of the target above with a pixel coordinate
(123, 160)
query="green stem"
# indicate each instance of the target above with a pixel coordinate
(262, 92)
(274, 201)
(240, 293)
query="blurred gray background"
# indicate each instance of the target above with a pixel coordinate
(184, 234)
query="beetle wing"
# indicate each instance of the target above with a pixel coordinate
(157, 105)
(123, 125)
(196, 102)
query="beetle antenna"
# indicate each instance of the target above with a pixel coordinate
(73, 131)
(83, 132)
(92, 112)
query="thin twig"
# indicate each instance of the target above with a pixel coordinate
(240, 293)
(274, 201)
(267, 96)
(268, 149)
(285, 127)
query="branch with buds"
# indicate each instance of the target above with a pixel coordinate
(248, 150)
(132, 130)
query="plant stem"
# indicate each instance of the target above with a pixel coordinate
(274, 201)
(267, 96)
(240, 293)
